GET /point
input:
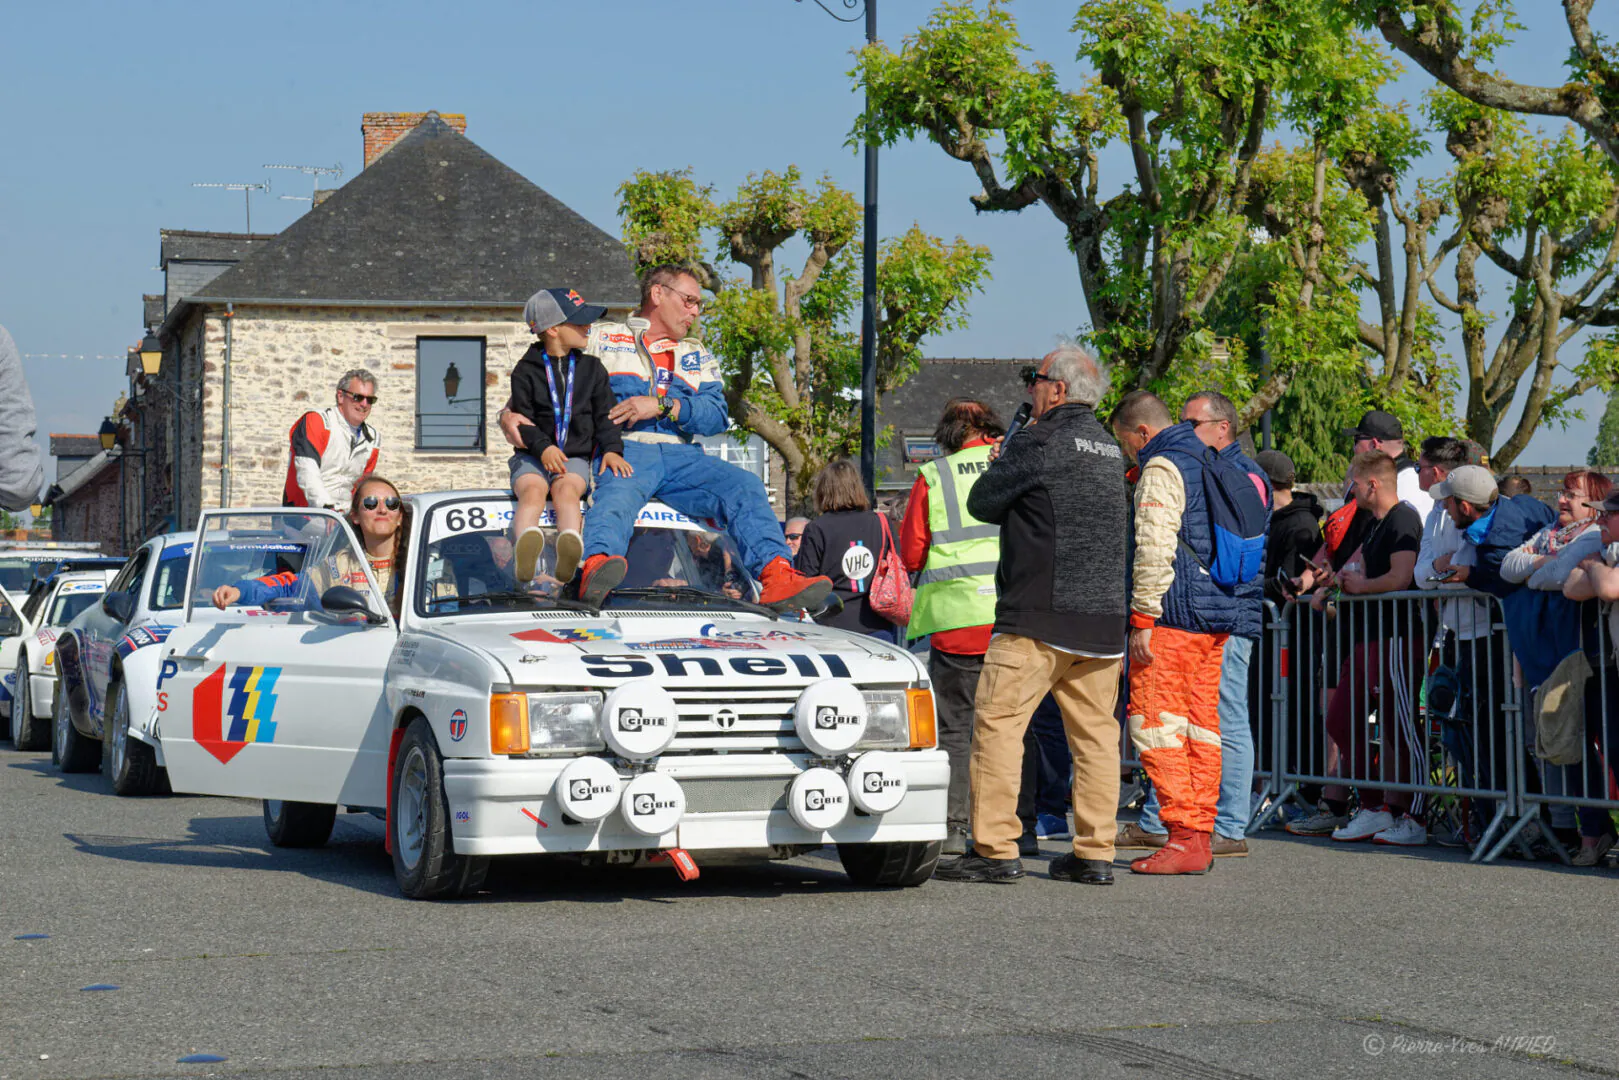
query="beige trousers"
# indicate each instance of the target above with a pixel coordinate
(1018, 673)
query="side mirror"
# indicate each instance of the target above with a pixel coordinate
(833, 605)
(342, 600)
(119, 605)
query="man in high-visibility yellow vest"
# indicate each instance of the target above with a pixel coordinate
(955, 555)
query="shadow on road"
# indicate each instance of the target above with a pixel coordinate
(42, 769)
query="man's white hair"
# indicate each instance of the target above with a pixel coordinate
(1083, 375)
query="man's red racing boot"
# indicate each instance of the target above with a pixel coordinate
(785, 589)
(599, 576)
(1186, 852)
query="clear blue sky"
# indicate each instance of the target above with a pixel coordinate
(116, 108)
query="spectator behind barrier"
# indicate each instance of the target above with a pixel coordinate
(1295, 528)
(1516, 485)
(1597, 577)
(843, 543)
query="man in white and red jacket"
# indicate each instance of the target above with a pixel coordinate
(333, 448)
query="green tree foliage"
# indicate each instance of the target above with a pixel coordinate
(1604, 452)
(790, 359)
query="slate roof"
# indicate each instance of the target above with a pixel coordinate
(152, 308)
(436, 220)
(81, 446)
(189, 246)
(914, 407)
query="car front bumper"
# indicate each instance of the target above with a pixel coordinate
(505, 807)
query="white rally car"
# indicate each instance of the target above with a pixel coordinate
(30, 657)
(680, 721)
(107, 666)
(11, 626)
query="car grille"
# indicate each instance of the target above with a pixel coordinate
(733, 794)
(764, 721)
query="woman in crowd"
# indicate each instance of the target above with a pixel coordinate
(1543, 563)
(844, 543)
(381, 519)
(1597, 578)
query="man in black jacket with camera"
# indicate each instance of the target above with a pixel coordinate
(1057, 490)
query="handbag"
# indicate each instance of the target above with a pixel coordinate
(891, 595)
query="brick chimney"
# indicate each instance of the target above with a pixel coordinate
(382, 129)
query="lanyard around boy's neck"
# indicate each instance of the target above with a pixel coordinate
(566, 413)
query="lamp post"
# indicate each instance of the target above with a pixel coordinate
(868, 290)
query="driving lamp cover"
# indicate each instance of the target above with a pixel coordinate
(877, 782)
(653, 803)
(639, 720)
(588, 789)
(830, 717)
(818, 799)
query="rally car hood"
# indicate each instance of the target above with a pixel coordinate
(587, 650)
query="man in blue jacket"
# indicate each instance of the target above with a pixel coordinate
(669, 391)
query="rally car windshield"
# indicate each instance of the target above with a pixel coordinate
(68, 605)
(466, 563)
(169, 582)
(296, 551)
(17, 572)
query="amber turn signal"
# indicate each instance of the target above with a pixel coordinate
(508, 723)
(924, 732)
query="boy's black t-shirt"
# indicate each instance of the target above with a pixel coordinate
(589, 429)
(1370, 618)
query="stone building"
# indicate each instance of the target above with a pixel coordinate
(85, 506)
(416, 269)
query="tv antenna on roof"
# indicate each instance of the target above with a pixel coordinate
(247, 191)
(314, 171)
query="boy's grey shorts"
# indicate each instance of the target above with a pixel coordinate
(522, 463)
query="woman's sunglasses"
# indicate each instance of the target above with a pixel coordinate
(370, 502)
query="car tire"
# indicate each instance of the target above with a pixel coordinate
(28, 732)
(131, 764)
(71, 750)
(896, 865)
(425, 862)
(298, 824)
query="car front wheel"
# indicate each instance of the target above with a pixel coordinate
(28, 732)
(425, 862)
(131, 764)
(892, 864)
(71, 751)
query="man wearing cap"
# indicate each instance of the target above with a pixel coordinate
(1295, 527)
(1379, 430)
(669, 391)
(565, 389)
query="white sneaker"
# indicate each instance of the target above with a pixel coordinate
(1406, 832)
(1320, 823)
(530, 546)
(570, 549)
(1364, 825)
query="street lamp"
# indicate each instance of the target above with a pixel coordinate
(151, 354)
(868, 300)
(452, 381)
(108, 434)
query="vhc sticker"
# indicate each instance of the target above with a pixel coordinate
(458, 725)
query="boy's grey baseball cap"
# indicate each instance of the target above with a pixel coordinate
(552, 307)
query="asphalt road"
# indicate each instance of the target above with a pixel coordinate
(1305, 959)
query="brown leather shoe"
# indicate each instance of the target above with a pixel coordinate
(1225, 847)
(1132, 836)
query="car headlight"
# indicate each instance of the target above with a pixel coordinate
(888, 721)
(564, 723)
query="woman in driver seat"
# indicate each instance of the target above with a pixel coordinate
(379, 515)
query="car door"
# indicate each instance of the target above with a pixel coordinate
(102, 631)
(278, 699)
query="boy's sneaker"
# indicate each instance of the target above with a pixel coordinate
(599, 576)
(1406, 832)
(785, 589)
(1320, 823)
(1364, 825)
(1051, 827)
(570, 549)
(530, 546)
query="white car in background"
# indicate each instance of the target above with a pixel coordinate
(11, 626)
(679, 722)
(30, 657)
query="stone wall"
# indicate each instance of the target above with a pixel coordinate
(286, 361)
(92, 512)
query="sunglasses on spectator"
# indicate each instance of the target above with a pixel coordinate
(1031, 375)
(370, 502)
(795, 536)
(369, 399)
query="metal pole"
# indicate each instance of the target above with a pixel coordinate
(868, 305)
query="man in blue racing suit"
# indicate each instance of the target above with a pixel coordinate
(669, 390)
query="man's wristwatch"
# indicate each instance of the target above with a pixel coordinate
(663, 408)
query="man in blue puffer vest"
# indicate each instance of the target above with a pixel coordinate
(1179, 623)
(1214, 418)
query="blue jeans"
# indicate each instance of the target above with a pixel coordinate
(686, 479)
(1236, 748)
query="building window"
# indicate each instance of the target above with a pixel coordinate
(749, 452)
(449, 393)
